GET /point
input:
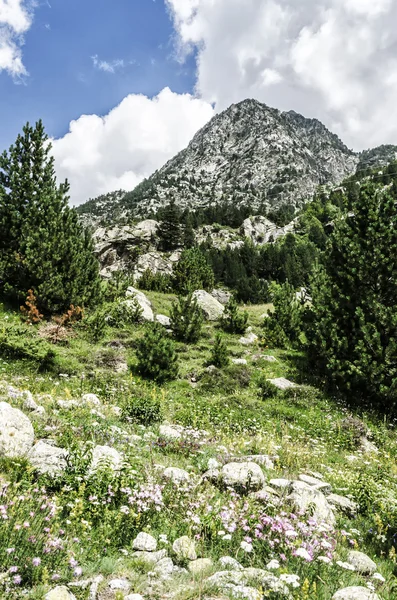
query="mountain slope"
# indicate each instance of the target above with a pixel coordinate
(248, 154)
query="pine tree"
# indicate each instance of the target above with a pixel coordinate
(192, 272)
(170, 231)
(189, 238)
(186, 319)
(219, 353)
(234, 320)
(353, 318)
(156, 354)
(42, 245)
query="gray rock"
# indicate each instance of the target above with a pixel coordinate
(268, 358)
(247, 475)
(249, 339)
(171, 432)
(281, 485)
(345, 505)
(143, 301)
(227, 562)
(307, 499)
(318, 484)
(185, 548)
(163, 320)
(259, 459)
(119, 584)
(60, 592)
(91, 400)
(150, 558)
(355, 592)
(361, 562)
(164, 568)
(247, 577)
(134, 597)
(281, 383)
(16, 432)
(176, 475)
(259, 230)
(211, 308)
(242, 592)
(105, 456)
(200, 566)
(239, 361)
(144, 542)
(46, 458)
(156, 262)
(222, 296)
(28, 402)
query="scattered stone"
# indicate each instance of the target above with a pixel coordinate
(239, 361)
(305, 498)
(199, 566)
(250, 339)
(368, 447)
(227, 562)
(46, 458)
(176, 475)
(247, 475)
(247, 577)
(120, 584)
(91, 399)
(343, 504)
(171, 432)
(164, 568)
(355, 593)
(105, 456)
(222, 296)
(281, 383)
(281, 485)
(322, 486)
(16, 432)
(134, 597)
(361, 562)
(163, 320)
(212, 309)
(29, 403)
(60, 592)
(242, 592)
(150, 558)
(259, 459)
(144, 542)
(143, 301)
(92, 595)
(185, 548)
(269, 358)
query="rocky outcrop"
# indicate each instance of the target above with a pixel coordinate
(211, 308)
(260, 230)
(16, 432)
(143, 301)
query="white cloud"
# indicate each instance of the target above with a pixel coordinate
(16, 18)
(102, 154)
(106, 66)
(333, 59)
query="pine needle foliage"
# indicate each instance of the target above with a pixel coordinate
(233, 320)
(220, 353)
(43, 247)
(186, 319)
(157, 359)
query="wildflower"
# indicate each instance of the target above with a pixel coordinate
(36, 561)
(55, 577)
(324, 559)
(378, 577)
(125, 510)
(10, 550)
(345, 565)
(292, 580)
(17, 579)
(273, 564)
(303, 553)
(246, 546)
(13, 570)
(73, 563)
(227, 537)
(77, 572)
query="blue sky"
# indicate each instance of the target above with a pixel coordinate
(123, 85)
(63, 82)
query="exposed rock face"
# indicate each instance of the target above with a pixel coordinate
(261, 231)
(212, 309)
(156, 262)
(143, 301)
(16, 432)
(47, 458)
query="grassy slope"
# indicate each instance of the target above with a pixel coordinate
(302, 429)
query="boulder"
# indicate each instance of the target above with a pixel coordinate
(305, 498)
(282, 486)
(356, 592)
(222, 296)
(260, 459)
(60, 592)
(361, 562)
(318, 484)
(176, 475)
(281, 383)
(269, 358)
(156, 263)
(150, 558)
(16, 432)
(144, 542)
(91, 400)
(247, 475)
(185, 548)
(46, 458)
(200, 566)
(143, 301)
(343, 504)
(171, 432)
(105, 456)
(163, 320)
(239, 361)
(249, 339)
(164, 568)
(119, 584)
(247, 577)
(210, 306)
(259, 230)
(230, 563)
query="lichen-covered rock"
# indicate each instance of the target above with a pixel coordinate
(176, 475)
(317, 484)
(249, 339)
(343, 504)
(362, 563)
(46, 458)
(144, 542)
(281, 383)
(305, 498)
(60, 592)
(230, 563)
(185, 548)
(105, 456)
(150, 558)
(355, 592)
(200, 566)
(211, 308)
(163, 320)
(16, 432)
(120, 584)
(164, 568)
(246, 475)
(143, 301)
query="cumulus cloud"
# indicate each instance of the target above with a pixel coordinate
(333, 59)
(103, 154)
(16, 17)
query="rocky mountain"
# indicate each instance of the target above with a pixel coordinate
(249, 154)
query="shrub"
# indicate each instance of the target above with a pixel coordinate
(143, 410)
(192, 272)
(97, 325)
(219, 353)
(156, 354)
(233, 320)
(283, 327)
(186, 319)
(17, 341)
(120, 314)
(155, 282)
(30, 312)
(267, 389)
(117, 286)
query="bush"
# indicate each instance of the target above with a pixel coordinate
(117, 286)
(233, 320)
(155, 282)
(143, 410)
(97, 325)
(192, 272)
(186, 319)
(267, 389)
(17, 342)
(219, 353)
(156, 354)
(121, 314)
(283, 327)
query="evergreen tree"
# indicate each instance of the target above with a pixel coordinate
(219, 353)
(170, 231)
(192, 272)
(282, 327)
(353, 316)
(186, 319)
(189, 238)
(233, 320)
(156, 354)
(43, 247)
